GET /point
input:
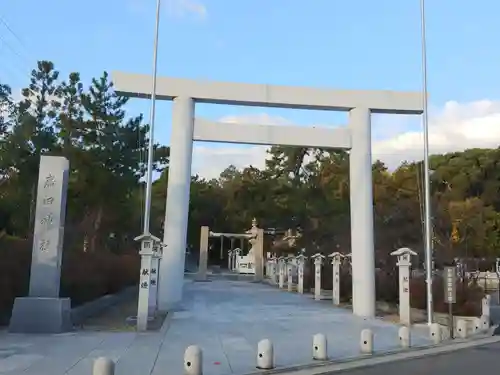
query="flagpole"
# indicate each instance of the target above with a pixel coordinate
(149, 173)
(148, 255)
(427, 201)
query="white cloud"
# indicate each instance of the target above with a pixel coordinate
(455, 127)
(181, 8)
(210, 160)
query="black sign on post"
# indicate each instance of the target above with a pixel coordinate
(450, 293)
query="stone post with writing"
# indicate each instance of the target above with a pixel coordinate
(236, 259)
(203, 258)
(148, 243)
(236, 254)
(153, 282)
(336, 262)
(43, 311)
(289, 273)
(318, 262)
(259, 256)
(281, 270)
(301, 260)
(404, 263)
(230, 260)
(272, 263)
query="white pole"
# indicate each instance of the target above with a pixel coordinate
(149, 174)
(427, 203)
(147, 252)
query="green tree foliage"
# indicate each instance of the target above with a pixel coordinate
(298, 188)
(105, 146)
(309, 189)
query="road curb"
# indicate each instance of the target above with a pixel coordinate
(327, 367)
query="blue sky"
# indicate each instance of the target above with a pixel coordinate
(355, 44)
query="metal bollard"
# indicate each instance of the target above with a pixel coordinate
(103, 366)
(265, 355)
(485, 323)
(193, 360)
(462, 328)
(320, 347)
(404, 337)
(366, 342)
(435, 333)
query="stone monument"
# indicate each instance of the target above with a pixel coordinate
(318, 262)
(256, 252)
(203, 259)
(336, 261)
(404, 262)
(43, 311)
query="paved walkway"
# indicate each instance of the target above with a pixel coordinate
(226, 318)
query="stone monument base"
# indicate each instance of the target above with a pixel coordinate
(41, 315)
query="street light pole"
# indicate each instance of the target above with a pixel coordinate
(427, 200)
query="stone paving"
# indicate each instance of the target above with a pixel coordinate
(226, 318)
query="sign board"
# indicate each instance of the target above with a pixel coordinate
(450, 279)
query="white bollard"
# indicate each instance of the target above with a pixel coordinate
(103, 366)
(320, 347)
(462, 328)
(265, 355)
(485, 323)
(366, 343)
(404, 337)
(485, 306)
(435, 333)
(193, 360)
(477, 325)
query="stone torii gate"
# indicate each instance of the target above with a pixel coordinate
(185, 129)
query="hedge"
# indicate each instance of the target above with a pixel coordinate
(84, 276)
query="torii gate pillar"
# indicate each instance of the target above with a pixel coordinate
(176, 213)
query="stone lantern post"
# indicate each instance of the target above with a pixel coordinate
(404, 263)
(301, 260)
(336, 262)
(318, 262)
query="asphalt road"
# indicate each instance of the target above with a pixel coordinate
(473, 361)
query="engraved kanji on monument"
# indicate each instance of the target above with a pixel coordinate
(43, 311)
